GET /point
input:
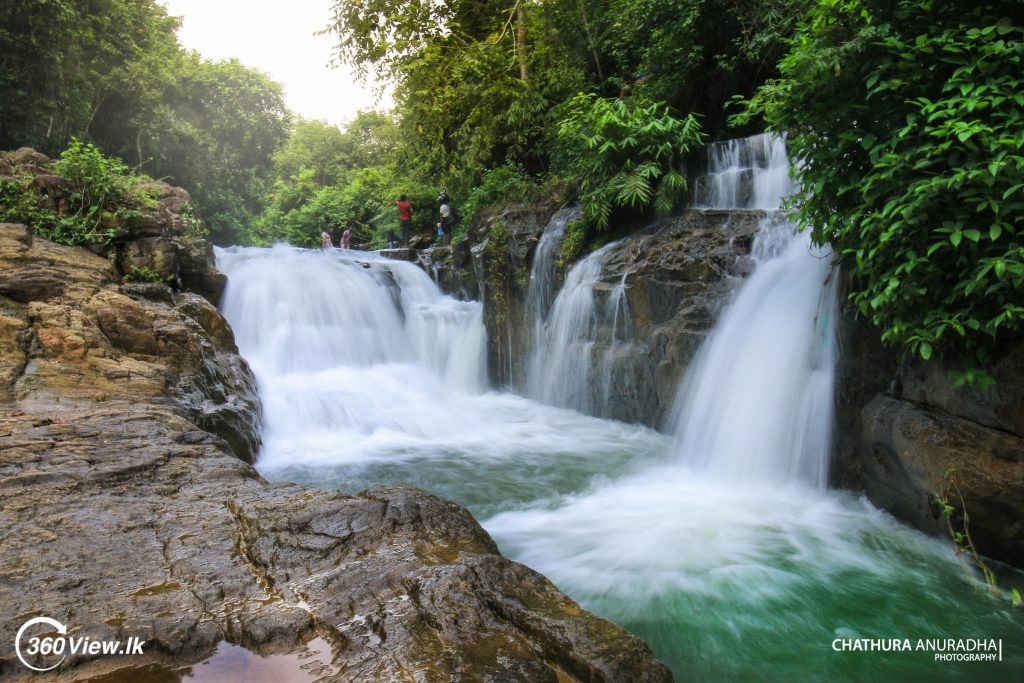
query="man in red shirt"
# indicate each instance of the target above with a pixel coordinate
(404, 218)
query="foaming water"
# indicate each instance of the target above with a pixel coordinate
(353, 353)
(754, 582)
(369, 375)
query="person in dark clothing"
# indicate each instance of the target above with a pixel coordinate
(405, 212)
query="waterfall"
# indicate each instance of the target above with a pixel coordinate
(559, 364)
(756, 402)
(542, 288)
(748, 173)
(349, 343)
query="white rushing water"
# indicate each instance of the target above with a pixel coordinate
(748, 173)
(362, 359)
(559, 371)
(543, 285)
(719, 546)
(353, 353)
(756, 402)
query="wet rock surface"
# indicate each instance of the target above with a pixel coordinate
(908, 436)
(126, 510)
(126, 521)
(678, 277)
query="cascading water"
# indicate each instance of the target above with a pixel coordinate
(750, 173)
(542, 288)
(364, 347)
(731, 568)
(559, 371)
(366, 370)
(767, 368)
(732, 544)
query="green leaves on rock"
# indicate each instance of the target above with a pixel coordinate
(101, 194)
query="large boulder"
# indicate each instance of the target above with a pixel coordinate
(677, 278)
(92, 340)
(914, 441)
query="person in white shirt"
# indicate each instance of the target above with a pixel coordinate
(446, 221)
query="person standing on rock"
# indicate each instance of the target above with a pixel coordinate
(446, 218)
(405, 212)
(325, 240)
(346, 239)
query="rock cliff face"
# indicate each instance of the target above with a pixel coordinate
(908, 436)
(677, 276)
(126, 507)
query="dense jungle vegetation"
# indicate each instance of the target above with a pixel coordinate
(905, 117)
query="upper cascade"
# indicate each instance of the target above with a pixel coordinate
(350, 349)
(306, 311)
(746, 173)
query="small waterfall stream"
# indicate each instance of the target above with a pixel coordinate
(559, 370)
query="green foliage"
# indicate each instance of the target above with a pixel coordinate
(194, 227)
(145, 274)
(112, 72)
(906, 119)
(66, 64)
(499, 267)
(576, 234)
(693, 54)
(953, 509)
(498, 185)
(101, 194)
(627, 153)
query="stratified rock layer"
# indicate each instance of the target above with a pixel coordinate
(124, 511)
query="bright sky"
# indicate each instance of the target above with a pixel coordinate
(278, 38)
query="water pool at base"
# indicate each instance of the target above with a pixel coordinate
(725, 583)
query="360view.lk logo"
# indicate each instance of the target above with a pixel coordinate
(43, 643)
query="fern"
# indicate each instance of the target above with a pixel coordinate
(626, 153)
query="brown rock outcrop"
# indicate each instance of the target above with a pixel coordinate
(908, 436)
(159, 241)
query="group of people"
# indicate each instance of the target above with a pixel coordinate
(444, 225)
(405, 212)
(346, 239)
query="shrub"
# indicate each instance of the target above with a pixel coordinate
(101, 194)
(906, 122)
(626, 153)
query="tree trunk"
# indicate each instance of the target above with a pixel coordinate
(524, 70)
(590, 39)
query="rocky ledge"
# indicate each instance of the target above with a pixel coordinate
(912, 440)
(674, 278)
(127, 510)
